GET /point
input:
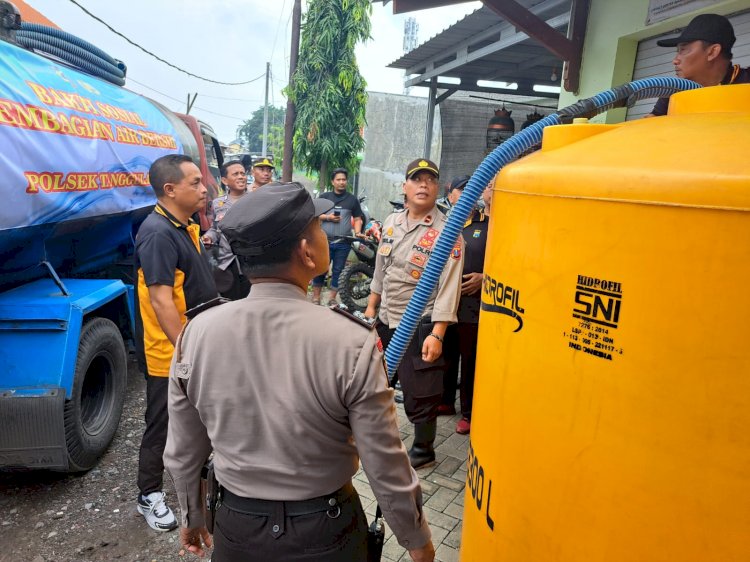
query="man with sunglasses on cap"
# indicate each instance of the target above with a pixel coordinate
(453, 192)
(407, 241)
(287, 413)
(704, 55)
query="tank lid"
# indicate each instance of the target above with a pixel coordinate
(696, 156)
(715, 99)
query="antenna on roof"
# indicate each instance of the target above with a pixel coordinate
(411, 32)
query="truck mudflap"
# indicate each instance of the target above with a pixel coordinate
(32, 429)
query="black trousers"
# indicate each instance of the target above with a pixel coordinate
(453, 359)
(316, 537)
(467, 348)
(421, 382)
(150, 462)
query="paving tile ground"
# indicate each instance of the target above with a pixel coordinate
(442, 490)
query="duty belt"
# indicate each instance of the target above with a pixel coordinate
(330, 503)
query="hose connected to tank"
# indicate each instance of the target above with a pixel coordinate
(531, 136)
(72, 50)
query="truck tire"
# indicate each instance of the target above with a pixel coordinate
(354, 286)
(93, 411)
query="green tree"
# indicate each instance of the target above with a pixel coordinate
(276, 141)
(251, 130)
(327, 88)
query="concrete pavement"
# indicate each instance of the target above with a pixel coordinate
(442, 488)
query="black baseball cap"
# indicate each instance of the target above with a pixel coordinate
(712, 28)
(420, 164)
(266, 217)
(458, 183)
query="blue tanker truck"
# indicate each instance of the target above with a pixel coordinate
(75, 150)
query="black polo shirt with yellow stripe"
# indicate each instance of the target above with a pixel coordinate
(735, 75)
(167, 252)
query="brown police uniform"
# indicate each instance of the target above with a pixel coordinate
(229, 279)
(402, 256)
(289, 410)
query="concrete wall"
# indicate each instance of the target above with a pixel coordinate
(614, 29)
(464, 129)
(394, 136)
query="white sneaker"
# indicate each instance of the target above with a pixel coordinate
(156, 512)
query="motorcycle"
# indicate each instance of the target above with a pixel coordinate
(355, 278)
(354, 281)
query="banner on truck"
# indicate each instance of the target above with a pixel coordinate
(73, 146)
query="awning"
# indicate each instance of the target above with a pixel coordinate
(483, 48)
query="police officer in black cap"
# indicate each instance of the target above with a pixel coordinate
(704, 55)
(288, 408)
(405, 248)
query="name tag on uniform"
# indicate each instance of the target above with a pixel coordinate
(183, 370)
(385, 250)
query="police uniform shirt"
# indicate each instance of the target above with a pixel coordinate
(402, 256)
(167, 252)
(475, 238)
(284, 406)
(224, 255)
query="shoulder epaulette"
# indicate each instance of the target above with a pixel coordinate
(355, 316)
(196, 310)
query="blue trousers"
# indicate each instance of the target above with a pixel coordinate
(338, 253)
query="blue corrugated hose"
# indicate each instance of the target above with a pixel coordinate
(72, 50)
(505, 153)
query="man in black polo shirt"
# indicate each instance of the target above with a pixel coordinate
(460, 347)
(704, 55)
(173, 275)
(338, 222)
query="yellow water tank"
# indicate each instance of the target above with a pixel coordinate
(611, 414)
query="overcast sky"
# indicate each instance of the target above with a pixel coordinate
(229, 41)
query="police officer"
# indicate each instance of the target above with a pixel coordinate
(230, 281)
(405, 247)
(262, 172)
(288, 409)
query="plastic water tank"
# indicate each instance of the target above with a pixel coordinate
(611, 415)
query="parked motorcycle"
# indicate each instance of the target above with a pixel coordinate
(354, 281)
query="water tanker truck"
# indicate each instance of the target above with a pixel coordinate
(75, 150)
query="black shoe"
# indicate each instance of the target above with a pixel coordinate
(398, 398)
(422, 452)
(421, 455)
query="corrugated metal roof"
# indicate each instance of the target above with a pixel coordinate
(482, 46)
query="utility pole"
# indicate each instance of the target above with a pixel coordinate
(286, 169)
(265, 114)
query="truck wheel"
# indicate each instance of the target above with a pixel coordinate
(93, 411)
(354, 286)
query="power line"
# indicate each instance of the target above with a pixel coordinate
(183, 101)
(157, 57)
(278, 26)
(230, 99)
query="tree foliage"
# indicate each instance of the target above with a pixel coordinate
(251, 130)
(327, 88)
